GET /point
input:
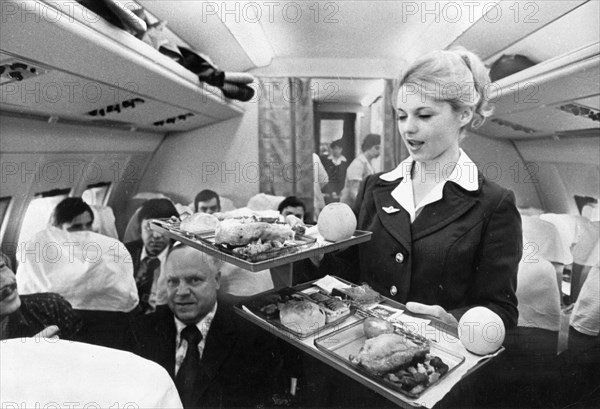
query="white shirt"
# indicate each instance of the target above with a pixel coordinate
(337, 161)
(464, 174)
(158, 292)
(182, 345)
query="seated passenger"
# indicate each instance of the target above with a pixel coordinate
(207, 201)
(149, 254)
(216, 358)
(294, 206)
(300, 271)
(72, 214)
(30, 315)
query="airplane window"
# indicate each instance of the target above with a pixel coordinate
(38, 212)
(4, 202)
(96, 194)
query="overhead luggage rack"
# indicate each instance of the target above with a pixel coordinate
(93, 66)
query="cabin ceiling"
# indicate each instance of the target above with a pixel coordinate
(343, 46)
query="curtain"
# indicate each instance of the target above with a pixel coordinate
(393, 148)
(286, 138)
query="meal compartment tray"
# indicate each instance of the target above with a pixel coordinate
(348, 340)
(255, 304)
(300, 248)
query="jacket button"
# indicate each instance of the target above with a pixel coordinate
(393, 290)
(399, 258)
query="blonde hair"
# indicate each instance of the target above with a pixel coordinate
(456, 76)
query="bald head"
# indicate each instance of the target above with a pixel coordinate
(193, 279)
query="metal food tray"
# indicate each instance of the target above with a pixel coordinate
(295, 250)
(256, 303)
(348, 341)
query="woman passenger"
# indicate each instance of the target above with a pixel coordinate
(444, 237)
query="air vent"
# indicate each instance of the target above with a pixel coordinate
(580, 110)
(18, 70)
(513, 126)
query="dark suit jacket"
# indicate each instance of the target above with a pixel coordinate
(461, 251)
(239, 363)
(135, 249)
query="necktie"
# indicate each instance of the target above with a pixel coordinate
(144, 279)
(186, 376)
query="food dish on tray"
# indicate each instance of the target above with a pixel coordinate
(298, 313)
(407, 364)
(257, 256)
(250, 238)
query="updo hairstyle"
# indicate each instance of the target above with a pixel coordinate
(456, 76)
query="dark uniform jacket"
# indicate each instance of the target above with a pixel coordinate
(239, 363)
(460, 251)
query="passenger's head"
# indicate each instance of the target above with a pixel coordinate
(371, 146)
(155, 242)
(9, 297)
(324, 149)
(292, 205)
(207, 201)
(72, 214)
(193, 279)
(336, 148)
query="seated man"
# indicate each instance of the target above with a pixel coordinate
(149, 254)
(215, 357)
(29, 315)
(72, 214)
(300, 271)
(207, 201)
(294, 206)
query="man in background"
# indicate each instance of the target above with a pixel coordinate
(149, 253)
(216, 358)
(294, 206)
(360, 168)
(207, 201)
(72, 214)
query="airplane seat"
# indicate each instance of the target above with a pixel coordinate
(539, 295)
(105, 328)
(91, 271)
(263, 201)
(585, 317)
(104, 221)
(541, 239)
(591, 211)
(586, 253)
(132, 231)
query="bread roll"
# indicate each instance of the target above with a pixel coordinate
(301, 316)
(199, 222)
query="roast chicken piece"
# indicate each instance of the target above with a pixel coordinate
(387, 352)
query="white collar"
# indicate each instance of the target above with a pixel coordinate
(464, 173)
(337, 161)
(162, 256)
(203, 325)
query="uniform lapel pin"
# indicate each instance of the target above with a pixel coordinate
(390, 209)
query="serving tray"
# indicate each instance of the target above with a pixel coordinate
(348, 341)
(294, 250)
